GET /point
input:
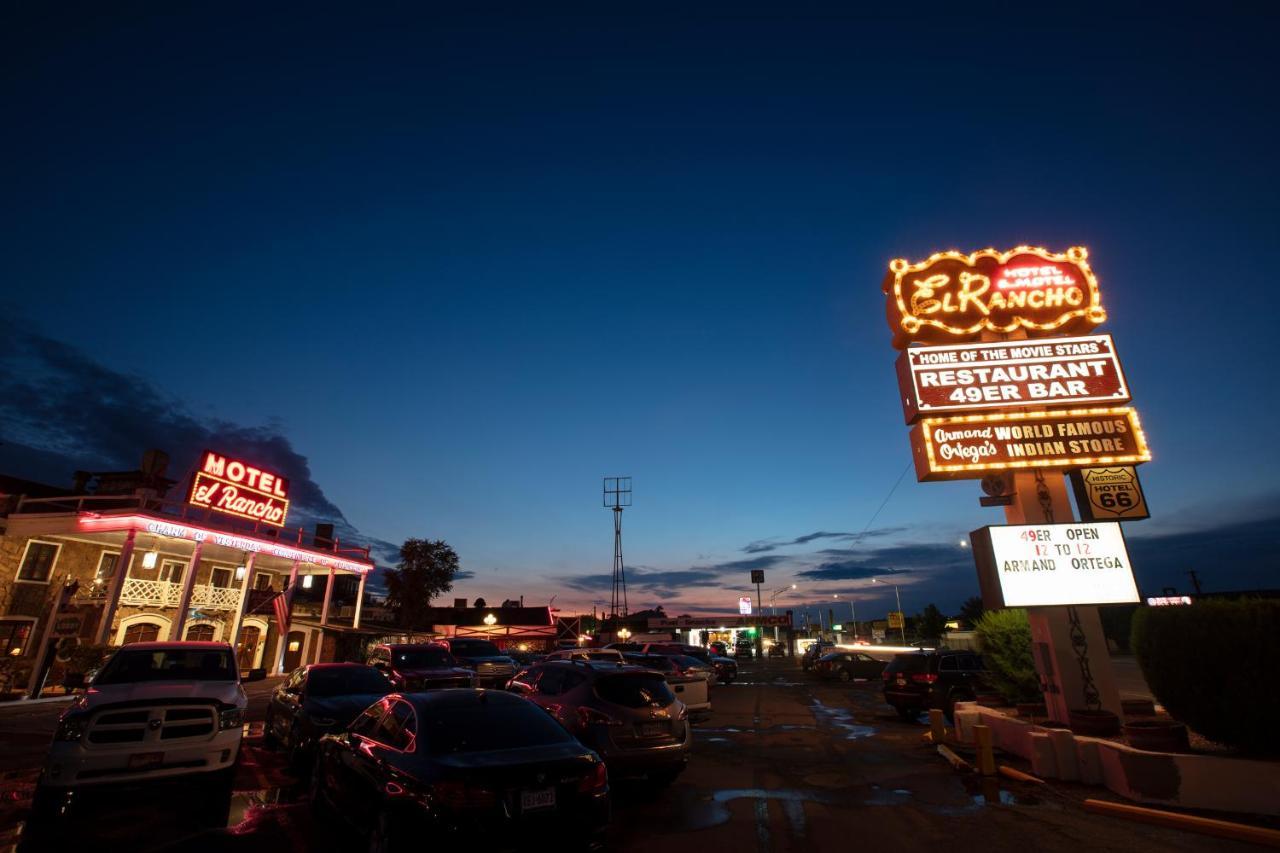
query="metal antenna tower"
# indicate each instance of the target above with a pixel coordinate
(617, 494)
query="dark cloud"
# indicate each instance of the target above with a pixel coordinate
(1227, 557)
(650, 581)
(60, 411)
(761, 546)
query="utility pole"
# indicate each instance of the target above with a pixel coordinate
(1195, 581)
(617, 495)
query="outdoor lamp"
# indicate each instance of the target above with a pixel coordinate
(490, 620)
(149, 560)
(306, 581)
(240, 573)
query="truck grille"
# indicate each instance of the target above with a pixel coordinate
(165, 723)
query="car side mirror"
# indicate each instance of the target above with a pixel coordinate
(256, 675)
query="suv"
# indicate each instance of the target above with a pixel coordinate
(688, 677)
(744, 649)
(814, 651)
(419, 666)
(492, 667)
(916, 681)
(154, 710)
(627, 714)
(726, 668)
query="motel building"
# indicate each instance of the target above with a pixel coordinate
(120, 558)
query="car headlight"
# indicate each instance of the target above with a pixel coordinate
(71, 727)
(232, 719)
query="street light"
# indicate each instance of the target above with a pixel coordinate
(773, 605)
(624, 634)
(898, 598)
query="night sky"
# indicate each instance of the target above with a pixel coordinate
(449, 265)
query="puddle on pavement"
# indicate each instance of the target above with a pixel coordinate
(988, 792)
(708, 811)
(840, 718)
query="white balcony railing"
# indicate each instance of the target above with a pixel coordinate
(156, 593)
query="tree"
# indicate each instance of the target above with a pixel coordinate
(427, 569)
(931, 623)
(971, 611)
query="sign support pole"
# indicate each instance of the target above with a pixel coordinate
(1072, 679)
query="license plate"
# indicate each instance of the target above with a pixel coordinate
(902, 682)
(533, 800)
(653, 729)
(144, 760)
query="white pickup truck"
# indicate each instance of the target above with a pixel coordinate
(155, 710)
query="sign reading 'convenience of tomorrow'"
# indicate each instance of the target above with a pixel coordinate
(1010, 374)
(950, 448)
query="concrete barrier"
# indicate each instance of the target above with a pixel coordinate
(1221, 783)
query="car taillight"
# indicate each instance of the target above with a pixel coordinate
(460, 796)
(595, 781)
(886, 675)
(590, 717)
(924, 677)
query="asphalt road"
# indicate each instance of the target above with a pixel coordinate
(786, 763)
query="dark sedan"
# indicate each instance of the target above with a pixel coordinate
(420, 666)
(317, 699)
(460, 767)
(849, 666)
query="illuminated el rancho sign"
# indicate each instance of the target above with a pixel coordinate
(228, 485)
(952, 297)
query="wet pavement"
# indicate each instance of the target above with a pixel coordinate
(785, 764)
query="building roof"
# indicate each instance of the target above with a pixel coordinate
(473, 617)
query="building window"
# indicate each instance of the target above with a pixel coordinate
(13, 637)
(221, 577)
(106, 567)
(37, 562)
(171, 571)
(141, 632)
(263, 580)
(203, 633)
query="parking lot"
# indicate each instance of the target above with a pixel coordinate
(785, 763)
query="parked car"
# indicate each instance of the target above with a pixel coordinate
(587, 654)
(777, 650)
(744, 649)
(629, 715)
(696, 658)
(525, 658)
(460, 768)
(916, 681)
(411, 667)
(492, 667)
(719, 648)
(625, 647)
(849, 666)
(317, 699)
(726, 669)
(690, 687)
(154, 711)
(813, 652)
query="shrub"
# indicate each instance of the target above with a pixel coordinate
(1212, 666)
(1006, 650)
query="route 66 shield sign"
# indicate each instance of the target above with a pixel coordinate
(1109, 494)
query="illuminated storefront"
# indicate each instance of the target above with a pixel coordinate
(110, 569)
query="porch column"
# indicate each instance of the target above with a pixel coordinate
(283, 642)
(188, 587)
(114, 588)
(328, 597)
(364, 576)
(243, 609)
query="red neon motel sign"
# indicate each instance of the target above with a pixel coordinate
(228, 485)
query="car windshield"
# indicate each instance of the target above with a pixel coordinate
(908, 663)
(474, 649)
(470, 729)
(634, 690)
(422, 658)
(347, 681)
(701, 654)
(129, 666)
(599, 654)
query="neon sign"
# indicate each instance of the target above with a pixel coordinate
(228, 485)
(952, 297)
(950, 448)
